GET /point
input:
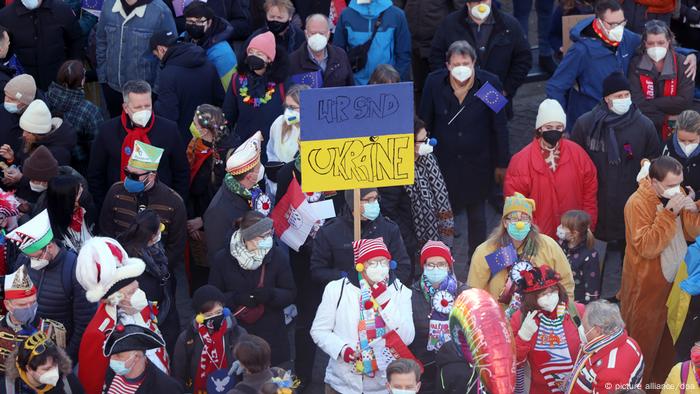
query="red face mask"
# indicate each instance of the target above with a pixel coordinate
(695, 355)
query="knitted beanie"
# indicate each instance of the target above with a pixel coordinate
(36, 119)
(21, 88)
(40, 166)
(265, 43)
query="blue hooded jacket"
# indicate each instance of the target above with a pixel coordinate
(391, 45)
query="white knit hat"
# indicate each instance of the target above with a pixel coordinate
(36, 119)
(550, 111)
(102, 263)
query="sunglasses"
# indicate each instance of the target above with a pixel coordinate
(133, 176)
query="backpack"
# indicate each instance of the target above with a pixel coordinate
(67, 278)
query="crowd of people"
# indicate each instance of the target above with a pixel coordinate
(144, 145)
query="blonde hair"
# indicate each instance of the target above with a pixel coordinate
(286, 4)
(294, 92)
(579, 221)
(499, 238)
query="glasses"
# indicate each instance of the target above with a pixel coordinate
(441, 264)
(370, 200)
(200, 22)
(517, 219)
(134, 176)
(616, 24)
(375, 264)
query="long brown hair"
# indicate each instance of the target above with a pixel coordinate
(579, 221)
(499, 238)
(294, 92)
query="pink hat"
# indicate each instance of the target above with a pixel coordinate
(433, 249)
(265, 43)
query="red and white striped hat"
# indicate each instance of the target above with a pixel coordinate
(367, 249)
(433, 249)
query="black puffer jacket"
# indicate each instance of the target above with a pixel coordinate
(691, 165)
(60, 300)
(60, 143)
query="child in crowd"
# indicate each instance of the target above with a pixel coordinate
(576, 239)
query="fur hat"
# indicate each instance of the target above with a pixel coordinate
(102, 264)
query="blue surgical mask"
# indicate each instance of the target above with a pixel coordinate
(435, 275)
(516, 233)
(11, 108)
(371, 210)
(133, 186)
(265, 243)
(119, 367)
(25, 315)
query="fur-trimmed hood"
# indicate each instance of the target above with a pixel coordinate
(65, 366)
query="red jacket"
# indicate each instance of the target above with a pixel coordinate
(574, 185)
(606, 365)
(557, 369)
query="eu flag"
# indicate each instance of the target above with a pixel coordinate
(502, 258)
(314, 79)
(491, 97)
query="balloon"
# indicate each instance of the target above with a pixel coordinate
(480, 331)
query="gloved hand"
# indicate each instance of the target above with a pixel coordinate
(262, 295)
(236, 368)
(529, 326)
(246, 299)
(348, 354)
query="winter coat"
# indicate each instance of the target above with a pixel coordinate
(333, 258)
(237, 284)
(585, 267)
(474, 143)
(236, 13)
(43, 38)
(556, 41)
(11, 382)
(252, 383)
(292, 39)
(574, 185)
(617, 182)
(336, 326)
(453, 372)
(188, 350)
(179, 93)
(154, 381)
(424, 18)
(391, 45)
(659, 106)
(121, 207)
(85, 117)
(396, 206)
(544, 371)
(673, 381)
(10, 132)
(220, 218)
(548, 252)
(6, 73)
(338, 71)
(219, 51)
(586, 64)
(105, 159)
(60, 141)
(202, 187)
(280, 150)
(55, 287)
(614, 362)
(507, 52)
(691, 172)
(123, 50)
(655, 246)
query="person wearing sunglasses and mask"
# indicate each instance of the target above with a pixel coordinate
(546, 328)
(141, 190)
(53, 267)
(554, 171)
(39, 366)
(130, 369)
(21, 320)
(659, 219)
(204, 349)
(278, 21)
(683, 146)
(108, 275)
(254, 274)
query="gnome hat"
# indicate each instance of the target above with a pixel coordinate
(34, 235)
(246, 156)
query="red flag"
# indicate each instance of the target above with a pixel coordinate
(293, 217)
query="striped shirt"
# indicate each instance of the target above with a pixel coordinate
(121, 385)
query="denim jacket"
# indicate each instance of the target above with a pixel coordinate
(123, 51)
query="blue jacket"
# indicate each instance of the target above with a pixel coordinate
(219, 51)
(586, 64)
(391, 45)
(123, 52)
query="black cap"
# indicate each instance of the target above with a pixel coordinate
(206, 294)
(349, 194)
(162, 38)
(615, 82)
(126, 337)
(198, 9)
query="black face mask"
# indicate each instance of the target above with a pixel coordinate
(195, 31)
(214, 323)
(254, 62)
(277, 27)
(551, 136)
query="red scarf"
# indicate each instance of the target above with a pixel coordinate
(213, 356)
(670, 90)
(132, 135)
(76, 221)
(197, 154)
(599, 31)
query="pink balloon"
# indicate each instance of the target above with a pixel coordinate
(480, 330)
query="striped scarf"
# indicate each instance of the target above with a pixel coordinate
(551, 339)
(586, 353)
(371, 327)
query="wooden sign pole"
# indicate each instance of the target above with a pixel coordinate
(356, 213)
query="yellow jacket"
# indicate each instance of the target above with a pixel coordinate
(673, 382)
(548, 253)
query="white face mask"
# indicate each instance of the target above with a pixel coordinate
(291, 117)
(425, 149)
(548, 301)
(461, 73)
(689, 148)
(317, 42)
(402, 391)
(657, 53)
(669, 193)
(38, 187)
(50, 377)
(31, 4)
(40, 262)
(562, 233)
(378, 273)
(261, 173)
(141, 118)
(481, 11)
(138, 300)
(621, 106)
(616, 33)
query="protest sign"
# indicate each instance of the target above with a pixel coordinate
(357, 137)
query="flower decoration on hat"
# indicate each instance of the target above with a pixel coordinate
(538, 278)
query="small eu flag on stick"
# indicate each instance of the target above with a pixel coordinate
(314, 79)
(492, 97)
(501, 259)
